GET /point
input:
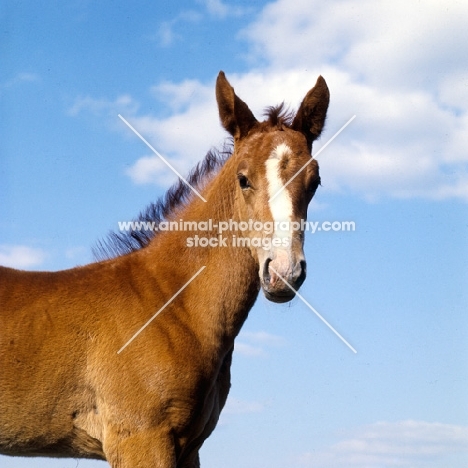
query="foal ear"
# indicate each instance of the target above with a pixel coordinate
(310, 117)
(235, 115)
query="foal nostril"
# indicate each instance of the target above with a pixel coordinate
(266, 271)
(303, 267)
(302, 273)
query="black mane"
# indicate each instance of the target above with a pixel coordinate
(279, 116)
(124, 242)
(177, 196)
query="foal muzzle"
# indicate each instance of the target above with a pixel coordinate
(282, 276)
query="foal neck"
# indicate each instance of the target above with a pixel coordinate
(221, 296)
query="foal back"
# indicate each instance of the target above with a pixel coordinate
(45, 324)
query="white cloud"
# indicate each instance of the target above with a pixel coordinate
(397, 65)
(402, 143)
(166, 34)
(79, 253)
(123, 104)
(263, 337)
(404, 43)
(20, 256)
(391, 42)
(26, 77)
(152, 170)
(181, 96)
(217, 8)
(253, 344)
(237, 406)
(193, 126)
(19, 78)
(453, 90)
(221, 10)
(249, 350)
(182, 138)
(414, 444)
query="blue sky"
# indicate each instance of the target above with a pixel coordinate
(395, 288)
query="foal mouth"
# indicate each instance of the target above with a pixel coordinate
(279, 297)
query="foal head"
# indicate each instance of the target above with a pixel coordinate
(276, 179)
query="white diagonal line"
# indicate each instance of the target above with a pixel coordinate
(168, 164)
(314, 156)
(314, 311)
(161, 309)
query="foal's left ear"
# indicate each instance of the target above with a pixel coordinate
(234, 113)
(310, 117)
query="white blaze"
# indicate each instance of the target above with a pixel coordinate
(281, 206)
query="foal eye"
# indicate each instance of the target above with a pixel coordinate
(243, 181)
(314, 185)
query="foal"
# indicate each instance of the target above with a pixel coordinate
(73, 383)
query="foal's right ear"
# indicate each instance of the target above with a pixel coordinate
(235, 115)
(310, 117)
